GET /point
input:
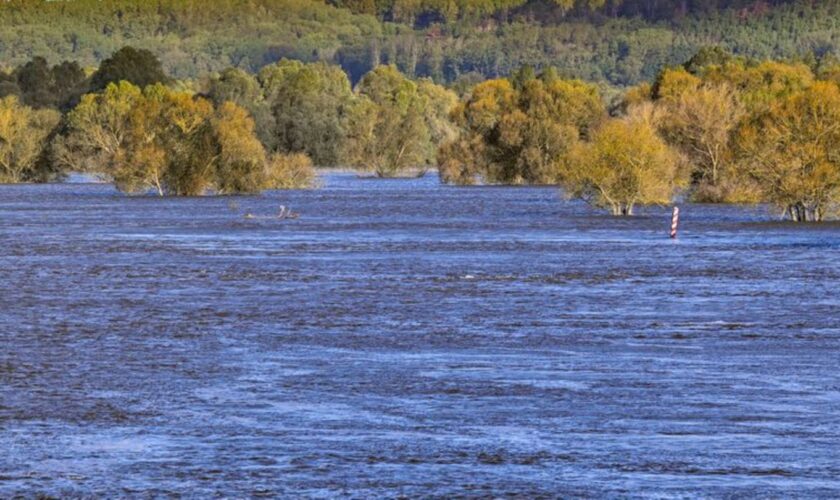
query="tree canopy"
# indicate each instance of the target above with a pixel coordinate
(518, 130)
(138, 66)
(164, 140)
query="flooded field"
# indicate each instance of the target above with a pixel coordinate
(404, 338)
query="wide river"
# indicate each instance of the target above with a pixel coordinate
(406, 338)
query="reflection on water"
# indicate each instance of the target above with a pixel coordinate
(407, 338)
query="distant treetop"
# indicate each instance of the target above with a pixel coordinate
(137, 66)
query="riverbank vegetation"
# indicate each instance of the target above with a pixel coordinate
(717, 127)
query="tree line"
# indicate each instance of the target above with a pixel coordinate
(228, 132)
(718, 128)
(448, 11)
(621, 43)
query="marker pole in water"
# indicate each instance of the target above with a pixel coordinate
(675, 222)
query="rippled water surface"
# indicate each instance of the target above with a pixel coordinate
(403, 338)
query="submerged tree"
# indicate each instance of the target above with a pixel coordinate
(791, 152)
(625, 164)
(171, 142)
(387, 131)
(700, 121)
(519, 131)
(308, 105)
(23, 135)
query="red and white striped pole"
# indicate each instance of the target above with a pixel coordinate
(675, 222)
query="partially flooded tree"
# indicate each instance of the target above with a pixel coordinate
(171, 142)
(625, 164)
(187, 137)
(474, 155)
(519, 131)
(791, 152)
(96, 130)
(240, 159)
(289, 171)
(700, 121)
(386, 131)
(308, 104)
(23, 136)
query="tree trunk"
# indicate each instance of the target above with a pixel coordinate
(801, 212)
(793, 213)
(622, 209)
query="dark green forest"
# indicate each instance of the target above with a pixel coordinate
(464, 41)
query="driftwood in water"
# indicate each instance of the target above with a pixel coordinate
(284, 213)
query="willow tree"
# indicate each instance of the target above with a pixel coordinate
(701, 121)
(438, 103)
(387, 132)
(762, 84)
(791, 152)
(171, 142)
(96, 129)
(243, 89)
(23, 135)
(518, 132)
(308, 105)
(625, 164)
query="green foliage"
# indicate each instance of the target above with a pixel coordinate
(308, 104)
(411, 11)
(517, 131)
(190, 37)
(23, 135)
(625, 164)
(138, 66)
(707, 57)
(237, 86)
(623, 43)
(41, 86)
(164, 140)
(437, 104)
(298, 107)
(387, 129)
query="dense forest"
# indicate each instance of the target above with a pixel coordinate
(619, 42)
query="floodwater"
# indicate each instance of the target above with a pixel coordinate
(406, 338)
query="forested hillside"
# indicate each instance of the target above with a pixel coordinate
(600, 40)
